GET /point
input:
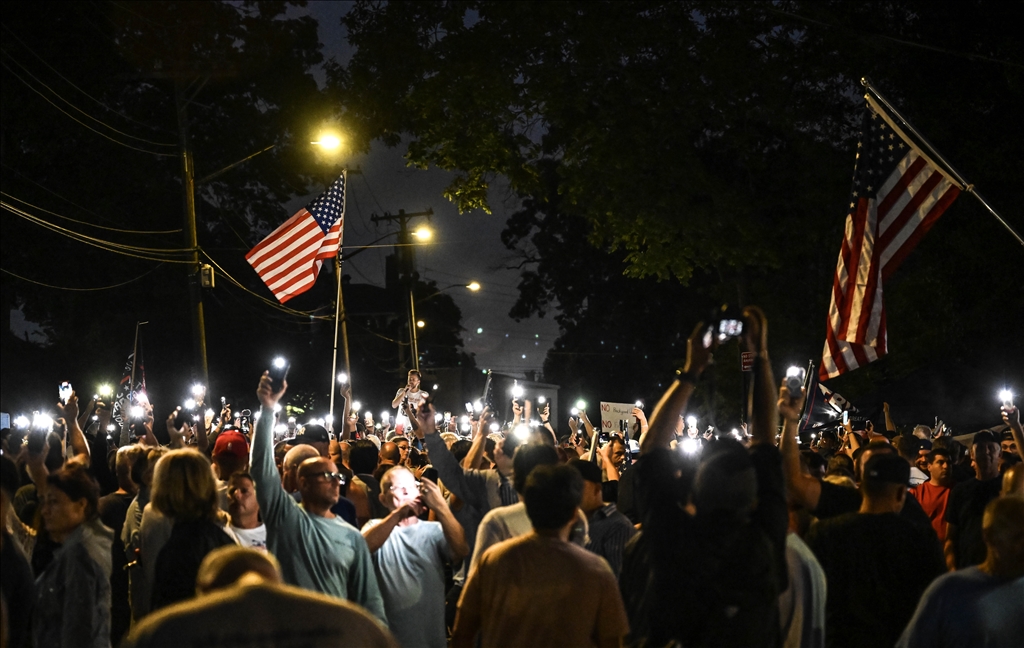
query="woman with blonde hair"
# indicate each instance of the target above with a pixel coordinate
(185, 494)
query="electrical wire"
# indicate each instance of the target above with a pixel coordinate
(71, 105)
(46, 285)
(291, 311)
(69, 82)
(81, 222)
(71, 202)
(73, 118)
(117, 248)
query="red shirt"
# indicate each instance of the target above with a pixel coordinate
(934, 500)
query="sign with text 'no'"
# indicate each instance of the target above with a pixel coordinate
(612, 413)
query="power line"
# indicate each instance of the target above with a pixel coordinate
(46, 285)
(116, 248)
(69, 82)
(81, 222)
(75, 119)
(88, 211)
(98, 121)
(280, 307)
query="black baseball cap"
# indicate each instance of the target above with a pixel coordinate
(887, 468)
(311, 434)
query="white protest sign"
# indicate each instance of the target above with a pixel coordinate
(612, 413)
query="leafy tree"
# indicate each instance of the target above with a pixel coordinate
(704, 143)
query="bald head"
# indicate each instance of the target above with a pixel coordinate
(390, 453)
(1013, 481)
(295, 457)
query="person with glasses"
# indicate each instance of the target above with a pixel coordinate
(317, 549)
(409, 556)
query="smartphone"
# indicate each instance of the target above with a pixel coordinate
(729, 329)
(278, 373)
(431, 474)
(1006, 396)
(795, 380)
(846, 417)
(64, 392)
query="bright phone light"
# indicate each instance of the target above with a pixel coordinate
(438, 417)
(279, 362)
(190, 403)
(277, 408)
(690, 445)
(581, 404)
(495, 427)
(639, 404)
(1006, 396)
(466, 428)
(541, 400)
(105, 390)
(342, 378)
(521, 431)
(691, 421)
(210, 413)
(517, 391)
(21, 421)
(793, 371)
(574, 412)
(198, 389)
(280, 428)
(137, 411)
(111, 427)
(385, 416)
(329, 418)
(356, 406)
(478, 406)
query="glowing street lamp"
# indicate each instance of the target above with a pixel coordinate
(423, 233)
(328, 142)
(473, 285)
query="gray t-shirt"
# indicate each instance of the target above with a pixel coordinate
(410, 572)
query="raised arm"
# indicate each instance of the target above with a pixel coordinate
(377, 533)
(1011, 417)
(454, 534)
(673, 403)
(468, 485)
(76, 438)
(764, 414)
(274, 503)
(803, 489)
(889, 425)
(476, 451)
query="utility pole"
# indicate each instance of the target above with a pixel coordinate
(408, 269)
(195, 290)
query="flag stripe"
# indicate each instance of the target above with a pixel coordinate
(898, 195)
(288, 260)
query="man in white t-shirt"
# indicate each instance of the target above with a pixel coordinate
(407, 400)
(409, 556)
(245, 512)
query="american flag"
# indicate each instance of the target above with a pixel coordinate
(898, 194)
(289, 259)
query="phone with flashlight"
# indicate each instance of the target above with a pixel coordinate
(1006, 396)
(64, 392)
(726, 324)
(846, 417)
(795, 377)
(278, 373)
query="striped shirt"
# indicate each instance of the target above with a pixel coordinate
(610, 530)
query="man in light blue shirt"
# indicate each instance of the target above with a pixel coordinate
(317, 550)
(409, 554)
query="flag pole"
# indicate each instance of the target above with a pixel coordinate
(964, 185)
(339, 320)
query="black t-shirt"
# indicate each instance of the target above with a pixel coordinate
(838, 500)
(965, 510)
(877, 567)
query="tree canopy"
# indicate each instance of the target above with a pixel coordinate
(706, 143)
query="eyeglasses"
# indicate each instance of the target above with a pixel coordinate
(326, 476)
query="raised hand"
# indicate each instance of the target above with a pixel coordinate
(265, 392)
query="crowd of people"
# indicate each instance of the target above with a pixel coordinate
(205, 531)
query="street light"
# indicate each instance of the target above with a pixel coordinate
(328, 142)
(473, 285)
(420, 323)
(423, 233)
